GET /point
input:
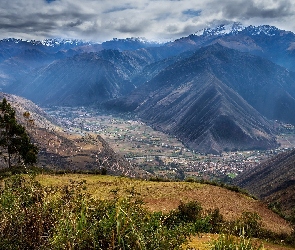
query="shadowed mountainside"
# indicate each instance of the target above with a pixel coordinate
(272, 181)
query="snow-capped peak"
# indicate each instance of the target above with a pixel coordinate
(265, 29)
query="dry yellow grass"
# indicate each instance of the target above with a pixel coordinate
(164, 196)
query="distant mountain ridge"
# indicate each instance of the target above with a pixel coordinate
(243, 74)
(236, 28)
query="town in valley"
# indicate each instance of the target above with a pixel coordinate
(160, 154)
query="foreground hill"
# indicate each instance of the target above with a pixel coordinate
(273, 181)
(165, 196)
(62, 151)
(58, 211)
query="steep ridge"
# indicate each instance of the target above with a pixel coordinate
(272, 181)
(189, 100)
(208, 117)
(270, 89)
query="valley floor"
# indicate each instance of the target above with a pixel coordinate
(159, 153)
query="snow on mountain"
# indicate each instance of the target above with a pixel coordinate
(49, 42)
(235, 28)
(56, 41)
(221, 30)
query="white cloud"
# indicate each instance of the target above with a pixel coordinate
(154, 19)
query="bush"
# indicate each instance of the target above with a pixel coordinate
(216, 221)
(249, 223)
(197, 220)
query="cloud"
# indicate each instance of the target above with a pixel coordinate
(260, 9)
(154, 19)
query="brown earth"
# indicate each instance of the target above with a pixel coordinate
(230, 204)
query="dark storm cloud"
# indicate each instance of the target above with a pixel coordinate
(154, 19)
(74, 24)
(256, 9)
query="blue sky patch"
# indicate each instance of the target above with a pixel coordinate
(191, 12)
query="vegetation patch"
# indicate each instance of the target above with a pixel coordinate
(68, 216)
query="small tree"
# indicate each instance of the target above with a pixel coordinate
(13, 137)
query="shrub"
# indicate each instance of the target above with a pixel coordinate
(216, 220)
(250, 223)
(229, 242)
(197, 220)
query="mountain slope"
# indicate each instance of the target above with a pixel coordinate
(81, 80)
(40, 62)
(84, 79)
(189, 99)
(272, 181)
(61, 151)
(270, 89)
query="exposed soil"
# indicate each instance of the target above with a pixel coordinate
(230, 204)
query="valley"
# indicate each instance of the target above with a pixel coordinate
(160, 154)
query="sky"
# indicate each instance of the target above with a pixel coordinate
(157, 20)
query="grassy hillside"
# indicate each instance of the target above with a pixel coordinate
(165, 196)
(106, 212)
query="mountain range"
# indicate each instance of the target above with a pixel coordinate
(218, 89)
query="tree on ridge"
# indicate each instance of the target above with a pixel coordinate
(14, 139)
